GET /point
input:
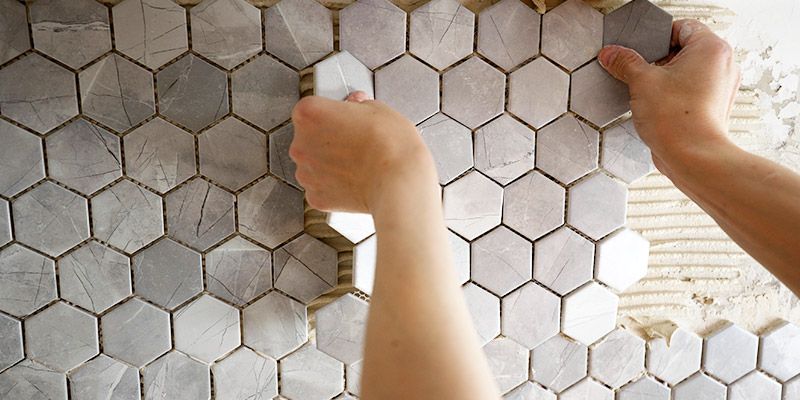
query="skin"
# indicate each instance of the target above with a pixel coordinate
(361, 156)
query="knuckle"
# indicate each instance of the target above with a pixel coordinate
(722, 50)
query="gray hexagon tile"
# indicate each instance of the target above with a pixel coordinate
(624, 154)
(538, 92)
(245, 375)
(450, 143)
(353, 374)
(699, 386)
(341, 74)
(589, 313)
(200, 214)
(299, 32)
(38, 93)
(167, 273)
(127, 216)
(645, 388)
(730, 353)
(642, 26)
(83, 156)
(152, 32)
(73, 32)
(755, 386)
(675, 358)
(408, 86)
(791, 390)
(51, 219)
(238, 271)
(341, 328)
(21, 159)
(504, 149)
(617, 359)
(587, 389)
(567, 149)
(159, 155)
(779, 354)
(14, 38)
(531, 315)
(270, 212)
(311, 374)
(559, 363)
(508, 361)
(226, 31)
(264, 91)
(472, 205)
(136, 332)
(622, 259)
(572, 33)
(94, 277)
(49, 343)
(280, 164)
(275, 325)
(508, 33)
(5, 223)
(117, 92)
(27, 280)
(192, 92)
(10, 341)
(501, 261)
(441, 32)
(305, 268)
(104, 378)
(529, 391)
(206, 329)
(597, 205)
(598, 96)
(461, 256)
(232, 153)
(176, 376)
(563, 260)
(473, 92)
(374, 31)
(533, 205)
(484, 308)
(30, 380)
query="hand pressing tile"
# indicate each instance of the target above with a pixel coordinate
(531, 315)
(83, 156)
(275, 325)
(587, 389)
(232, 153)
(780, 351)
(206, 329)
(624, 154)
(104, 375)
(245, 375)
(533, 205)
(270, 212)
(538, 92)
(51, 219)
(305, 268)
(167, 274)
(572, 33)
(152, 32)
(622, 259)
(755, 386)
(94, 277)
(642, 26)
(450, 144)
(529, 391)
(675, 358)
(311, 374)
(589, 313)
(238, 271)
(484, 308)
(60, 326)
(730, 353)
(176, 376)
(617, 359)
(341, 74)
(409, 87)
(200, 214)
(127, 216)
(264, 92)
(508, 33)
(374, 31)
(341, 328)
(645, 388)
(192, 92)
(504, 149)
(699, 386)
(226, 31)
(597, 205)
(73, 32)
(159, 155)
(470, 103)
(598, 96)
(508, 361)
(29, 280)
(23, 160)
(299, 32)
(563, 260)
(567, 149)
(472, 205)
(10, 342)
(559, 363)
(441, 32)
(14, 38)
(30, 380)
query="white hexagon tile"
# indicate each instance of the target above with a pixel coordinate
(152, 240)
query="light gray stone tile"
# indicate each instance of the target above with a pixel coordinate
(779, 354)
(127, 216)
(730, 353)
(5, 223)
(245, 375)
(529, 391)
(572, 33)
(341, 328)
(675, 358)
(484, 308)
(226, 31)
(567, 149)
(589, 313)
(364, 263)
(264, 91)
(374, 31)
(275, 325)
(61, 336)
(270, 212)
(14, 38)
(341, 74)
(408, 86)
(531, 315)
(232, 153)
(38, 93)
(508, 361)
(192, 92)
(299, 32)
(238, 271)
(280, 164)
(533, 205)
(755, 386)
(355, 227)
(563, 260)
(159, 155)
(31, 381)
(136, 332)
(699, 387)
(645, 388)
(461, 256)
(617, 359)
(73, 32)
(504, 149)
(353, 375)
(472, 205)
(559, 363)
(83, 156)
(311, 374)
(441, 32)
(791, 389)
(10, 341)
(624, 154)
(622, 259)
(598, 96)
(587, 389)
(167, 273)
(94, 277)
(501, 261)
(176, 376)
(206, 329)
(305, 268)
(597, 205)
(508, 33)
(200, 214)
(450, 143)
(470, 103)
(27, 280)
(21, 159)
(104, 379)
(538, 92)
(642, 26)
(152, 32)
(51, 219)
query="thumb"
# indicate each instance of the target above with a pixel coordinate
(623, 63)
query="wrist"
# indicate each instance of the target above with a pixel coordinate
(407, 186)
(698, 161)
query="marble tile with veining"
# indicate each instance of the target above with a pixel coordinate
(504, 149)
(27, 280)
(675, 358)
(587, 389)
(779, 354)
(226, 31)
(470, 103)
(73, 32)
(5, 223)
(352, 374)
(598, 96)
(206, 329)
(559, 363)
(531, 315)
(152, 32)
(245, 375)
(501, 261)
(341, 74)
(567, 149)
(61, 337)
(646, 388)
(275, 325)
(200, 214)
(176, 376)
(10, 341)
(617, 359)
(136, 332)
(238, 271)
(538, 92)
(83, 156)
(341, 328)
(508, 361)
(508, 33)
(624, 154)
(589, 313)
(484, 308)
(104, 378)
(572, 33)
(311, 374)
(729, 353)
(264, 92)
(192, 92)
(563, 260)
(755, 386)
(305, 268)
(159, 155)
(30, 380)
(533, 205)
(374, 31)
(94, 277)
(472, 205)
(699, 386)
(21, 159)
(409, 87)
(232, 154)
(14, 37)
(280, 164)
(597, 205)
(450, 144)
(622, 259)
(167, 273)
(642, 26)
(270, 212)
(299, 32)
(529, 391)
(441, 32)
(127, 216)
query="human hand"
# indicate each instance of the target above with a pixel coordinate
(682, 105)
(351, 153)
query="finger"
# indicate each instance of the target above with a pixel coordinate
(314, 113)
(623, 63)
(688, 31)
(357, 97)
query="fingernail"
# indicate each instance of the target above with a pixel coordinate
(607, 55)
(357, 96)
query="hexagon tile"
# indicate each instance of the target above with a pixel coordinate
(152, 240)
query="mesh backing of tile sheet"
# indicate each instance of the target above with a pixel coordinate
(134, 263)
